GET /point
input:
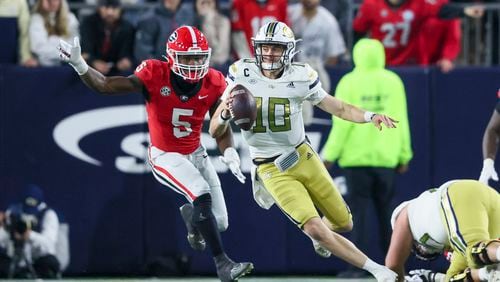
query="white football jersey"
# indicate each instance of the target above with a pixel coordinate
(425, 220)
(279, 125)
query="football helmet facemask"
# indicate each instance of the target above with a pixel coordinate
(275, 33)
(424, 252)
(189, 53)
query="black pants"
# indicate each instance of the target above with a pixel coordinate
(370, 185)
(44, 267)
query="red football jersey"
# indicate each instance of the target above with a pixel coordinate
(175, 126)
(396, 27)
(446, 35)
(249, 16)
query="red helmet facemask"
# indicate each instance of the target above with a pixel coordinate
(188, 52)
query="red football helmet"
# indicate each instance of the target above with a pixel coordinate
(188, 52)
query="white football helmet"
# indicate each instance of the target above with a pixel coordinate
(277, 33)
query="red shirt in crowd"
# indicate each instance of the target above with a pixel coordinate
(439, 39)
(248, 16)
(397, 28)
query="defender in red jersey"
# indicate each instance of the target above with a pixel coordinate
(397, 23)
(179, 92)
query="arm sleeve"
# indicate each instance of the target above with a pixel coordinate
(23, 25)
(316, 92)
(452, 43)
(145, 39)
(362, 22)
(340, 128)
(404, 125)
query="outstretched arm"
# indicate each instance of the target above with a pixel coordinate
(94, 79)
(349, 112)
(400, 246)
(490, 147)
(491, 135)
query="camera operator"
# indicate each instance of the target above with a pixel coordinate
(28, 238)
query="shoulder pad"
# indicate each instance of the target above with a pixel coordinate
(299, 64)
(249, 60)
(215, 77)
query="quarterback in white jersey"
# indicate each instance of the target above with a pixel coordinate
(279, 128)
(290, 171)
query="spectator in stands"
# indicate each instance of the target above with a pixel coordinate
(322, 42)
(28, 238)
(397, 23)
(490, 146)
(157, 25)
(247, 16)
(19, 9)
(50, 22)
(370, 169)
(108, 39)
(341, 9)
(216, 28)
(445, 46)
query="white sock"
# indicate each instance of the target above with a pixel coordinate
(483, 274)
(371, 266)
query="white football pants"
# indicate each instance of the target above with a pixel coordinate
(191, 176)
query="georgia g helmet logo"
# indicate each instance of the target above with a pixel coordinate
(172, 37)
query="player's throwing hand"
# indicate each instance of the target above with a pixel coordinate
(378, 119)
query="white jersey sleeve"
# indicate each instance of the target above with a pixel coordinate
(316, 93)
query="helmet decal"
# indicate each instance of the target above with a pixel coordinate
(172, 37)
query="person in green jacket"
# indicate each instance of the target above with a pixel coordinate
(370, 159)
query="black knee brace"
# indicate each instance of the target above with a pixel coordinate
(465, 276)
(479, 253)
(202, 208)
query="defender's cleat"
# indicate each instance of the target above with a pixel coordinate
(320, 250)
(231, 271)
(194, 236)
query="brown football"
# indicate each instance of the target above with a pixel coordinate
(243, 108)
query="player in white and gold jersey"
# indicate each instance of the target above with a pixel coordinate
(288, 171)
(462, 216)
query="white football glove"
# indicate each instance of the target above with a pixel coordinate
(384, 274)
(488, 172)
(425, 275)
(232, 160)
(71, 54)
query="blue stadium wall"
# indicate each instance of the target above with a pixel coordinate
(88, 152)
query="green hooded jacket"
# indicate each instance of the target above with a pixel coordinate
(373, 88)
